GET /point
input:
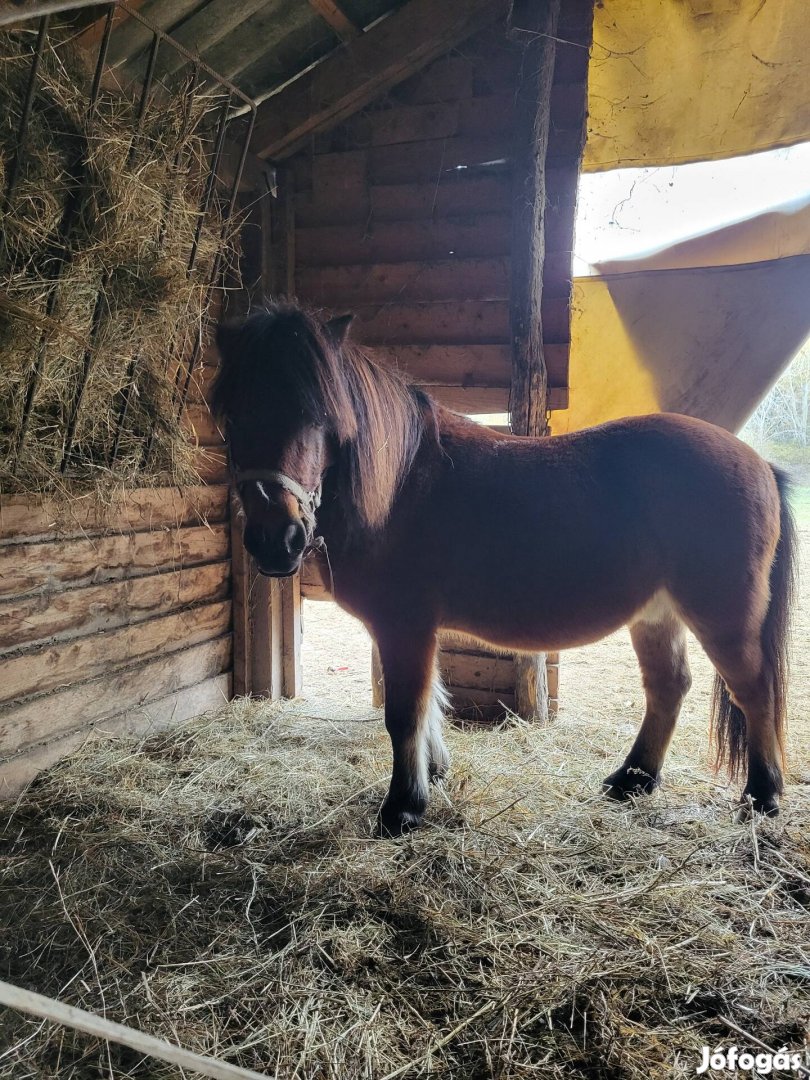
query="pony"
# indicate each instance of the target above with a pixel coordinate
(432, 521)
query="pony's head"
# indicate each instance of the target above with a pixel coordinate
(297, 399)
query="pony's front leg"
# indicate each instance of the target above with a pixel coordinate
(408, 666)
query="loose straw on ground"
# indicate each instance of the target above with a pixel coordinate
(50, 1009)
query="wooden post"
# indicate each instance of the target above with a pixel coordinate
(535, 25)
(290, 608)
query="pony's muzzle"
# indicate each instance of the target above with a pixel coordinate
(278, 554)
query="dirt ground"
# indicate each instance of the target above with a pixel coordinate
(601, 680)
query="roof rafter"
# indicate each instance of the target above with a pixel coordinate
(337, 18)
(360, 70)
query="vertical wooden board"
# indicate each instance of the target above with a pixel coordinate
(290, 597)
(240, 598)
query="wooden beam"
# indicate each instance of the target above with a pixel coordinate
(535, 25)
(538, 24)
(362, 69)
(332, 14)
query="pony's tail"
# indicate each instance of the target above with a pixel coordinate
(728, 721)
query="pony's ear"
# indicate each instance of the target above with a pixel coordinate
(228, 335)
(337, 329)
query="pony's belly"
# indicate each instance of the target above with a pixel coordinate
(537, 632)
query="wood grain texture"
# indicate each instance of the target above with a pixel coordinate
(384, 242)
(25, 567)
(456, 195)
(71, 613)
(363, 69)
(48, 667)
(47, 716)
(24, 518)
(443, 322)
(450, 279)
(18, 771)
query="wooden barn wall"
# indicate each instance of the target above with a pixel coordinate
(114, 620)
(402, 215)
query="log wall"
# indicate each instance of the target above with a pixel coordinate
(114, 619)
(403, 216)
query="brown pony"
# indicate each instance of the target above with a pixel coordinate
(432, 521)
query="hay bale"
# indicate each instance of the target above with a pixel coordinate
(94, 234)
(218, 884)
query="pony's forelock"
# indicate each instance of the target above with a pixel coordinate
(374, 415)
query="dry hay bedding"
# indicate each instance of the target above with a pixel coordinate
(217, 884)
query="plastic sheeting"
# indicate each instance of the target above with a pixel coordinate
(673, 81)
(704, 327)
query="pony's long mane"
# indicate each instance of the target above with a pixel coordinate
(377, 417)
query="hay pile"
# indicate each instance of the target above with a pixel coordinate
(122, 225)
(218, 885)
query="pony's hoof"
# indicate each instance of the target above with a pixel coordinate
(628, 782)
(750, 806)
(393, 823)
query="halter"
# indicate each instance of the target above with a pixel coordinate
(308, 501)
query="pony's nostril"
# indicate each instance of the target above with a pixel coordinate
(295, 538)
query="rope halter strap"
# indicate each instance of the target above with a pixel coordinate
(308, 501)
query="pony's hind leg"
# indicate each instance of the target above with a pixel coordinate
(659, 640)
(410, 704)
(745, 719)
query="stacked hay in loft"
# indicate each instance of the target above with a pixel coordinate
(94, 249)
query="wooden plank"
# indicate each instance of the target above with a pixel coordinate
(448, 79)
(449, 365)
(346, 189)
(428, 161)
(46, 716)
(449, 279)
(28, 517)
(202, 426)
(364, 69)
(17, 772)
(457, 195)
(476, 401)
(334, 16)
(466, 365)
(71, 613)
(473, 400)
(241, 578)
(48, 667)
(26, 567)
(335, 245)
(290, 600)
(483, 704)
(478, 116)
(477, 671)
(444, 322)
(315, 578)
(211, 465)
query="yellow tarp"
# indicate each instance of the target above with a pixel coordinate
(703, 327)
(673, 81)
